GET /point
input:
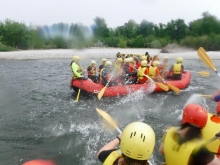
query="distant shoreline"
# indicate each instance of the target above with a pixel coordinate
(95, 53)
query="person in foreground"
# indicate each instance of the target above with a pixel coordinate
(136, 146)
(184, 146)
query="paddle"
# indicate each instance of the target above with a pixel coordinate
(161, 85)
(77, 97)
(101, 93)
(208, 96)
(174, 88)
(206, 59)
(109, 119)
(202, 73)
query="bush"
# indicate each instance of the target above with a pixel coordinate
(5, 48)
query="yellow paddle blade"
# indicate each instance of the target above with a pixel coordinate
(77, 97)
(163, 86)
(108, 118)
(208, 96)
(174, 88)
(206, 59)
(101, 93)
(204, 73)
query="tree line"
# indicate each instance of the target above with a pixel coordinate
(201, 32)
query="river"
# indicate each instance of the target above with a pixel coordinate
(40, 118)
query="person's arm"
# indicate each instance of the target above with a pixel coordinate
(183, 69)
(75, 68)
(215, 161)
(111, 145)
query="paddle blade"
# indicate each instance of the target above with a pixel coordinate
(208, 96)
(108, 118)
(163, 86)
(204, 73)
(174, 88)
(77, 97)
(206, 59)
(101, 93)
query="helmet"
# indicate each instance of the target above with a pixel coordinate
(218, 108)
(144, 63)
(108, 63)
(119, 60)
(75, 58)
(127, 60)
(146, 54)
(104, 60)
(143, 58)
(179, 60)
(118, 55)
(195, 114)
(156, 63)
(137, 141)
(93, 62)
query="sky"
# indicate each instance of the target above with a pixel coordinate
(115, 12)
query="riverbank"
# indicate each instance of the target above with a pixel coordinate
(98, 53)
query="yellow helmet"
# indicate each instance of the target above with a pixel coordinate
(119, 60)
(108, 63)
(127, 60)
(104, 60)
(138, 141)
(75, 58)
(143, 58)
(156, 63)
(144, 63)
(93, 62)
(179, 60)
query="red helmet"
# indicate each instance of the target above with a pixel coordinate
(195, 114)
(218, 108)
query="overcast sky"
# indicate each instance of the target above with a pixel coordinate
(115, 12)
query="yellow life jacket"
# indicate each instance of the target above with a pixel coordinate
(209, 131)
(118, 68)
(112, 157)
(101, 74)
(140, 72)
(175, 154)
(177, 68)
(152, 72)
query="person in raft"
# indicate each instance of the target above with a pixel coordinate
(163, 68)
(216, 96)
(136, 144)
(102, 65)
(128, 72)
(154, 72)
(91, 70)
(184, 146)
(105, 75)
(142, 71)
(177, 69)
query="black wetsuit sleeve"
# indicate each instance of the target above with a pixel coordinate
(202, 157)
(104, 154)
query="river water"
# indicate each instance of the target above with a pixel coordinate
(41, 120)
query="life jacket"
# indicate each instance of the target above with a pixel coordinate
(118, 68)
(76, 66)
(141, 72)
(112, 157)
(152, 71)
(91, 71)
(212, 127)
(177, 68)
(100, 67)
(106, 76)
(175, 153)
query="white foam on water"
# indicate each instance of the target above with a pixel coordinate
(97, 53)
